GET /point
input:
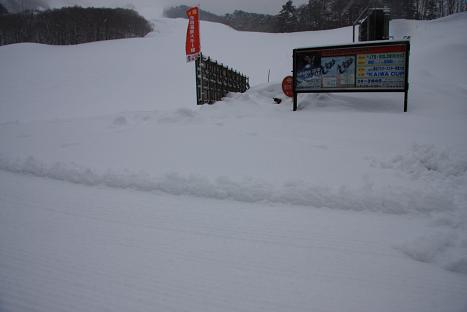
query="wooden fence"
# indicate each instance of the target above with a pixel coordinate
(214, 81)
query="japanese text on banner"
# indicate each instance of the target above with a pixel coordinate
(193, 45)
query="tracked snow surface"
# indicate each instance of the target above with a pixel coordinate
(117, 193)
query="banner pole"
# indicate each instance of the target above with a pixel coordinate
(199, 61)
(193, 48)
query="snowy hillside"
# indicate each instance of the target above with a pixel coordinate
(118, 193)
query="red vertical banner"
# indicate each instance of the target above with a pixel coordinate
(193, 45)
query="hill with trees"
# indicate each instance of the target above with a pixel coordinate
(72, 25)
(325, 14)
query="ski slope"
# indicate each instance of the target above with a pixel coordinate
(118, 193)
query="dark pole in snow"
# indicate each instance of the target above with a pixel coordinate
(406, 95)
(294, 83)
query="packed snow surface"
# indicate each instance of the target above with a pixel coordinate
(118, 193)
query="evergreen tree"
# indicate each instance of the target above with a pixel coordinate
(431, 9)
(304, 18)
(3, 10)
(403, 8)
(455, 6)
(315, 9)
(287, 20)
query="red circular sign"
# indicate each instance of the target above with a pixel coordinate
(287, 86)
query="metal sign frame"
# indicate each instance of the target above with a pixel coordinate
(351, 50)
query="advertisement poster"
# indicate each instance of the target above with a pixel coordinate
(338, 72)
(309, 72)
(316, 72)
(381, 66)
(381, 70)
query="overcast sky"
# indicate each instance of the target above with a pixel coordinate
(215, 6)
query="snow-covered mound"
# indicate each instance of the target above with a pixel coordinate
(349, 189)
(136, 74)
(145, 74)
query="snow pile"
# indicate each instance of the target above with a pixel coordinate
(390, 199)
(441, 170)
(427, 162)
(348, 204)
(445, 172)
(442, 246)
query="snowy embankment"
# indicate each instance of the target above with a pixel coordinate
(74, 248)
(423, 164)
(117, 119)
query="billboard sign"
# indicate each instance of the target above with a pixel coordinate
(193, 44)
(369, 67)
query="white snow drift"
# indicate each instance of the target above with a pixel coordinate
(118, 193)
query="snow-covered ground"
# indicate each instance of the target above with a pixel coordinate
(117, 193)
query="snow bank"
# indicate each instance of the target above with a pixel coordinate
(446, 248)
(428, 162)
(441, 170)
(445, 171)
(442, 198)
(315, 158)
(388, 199)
